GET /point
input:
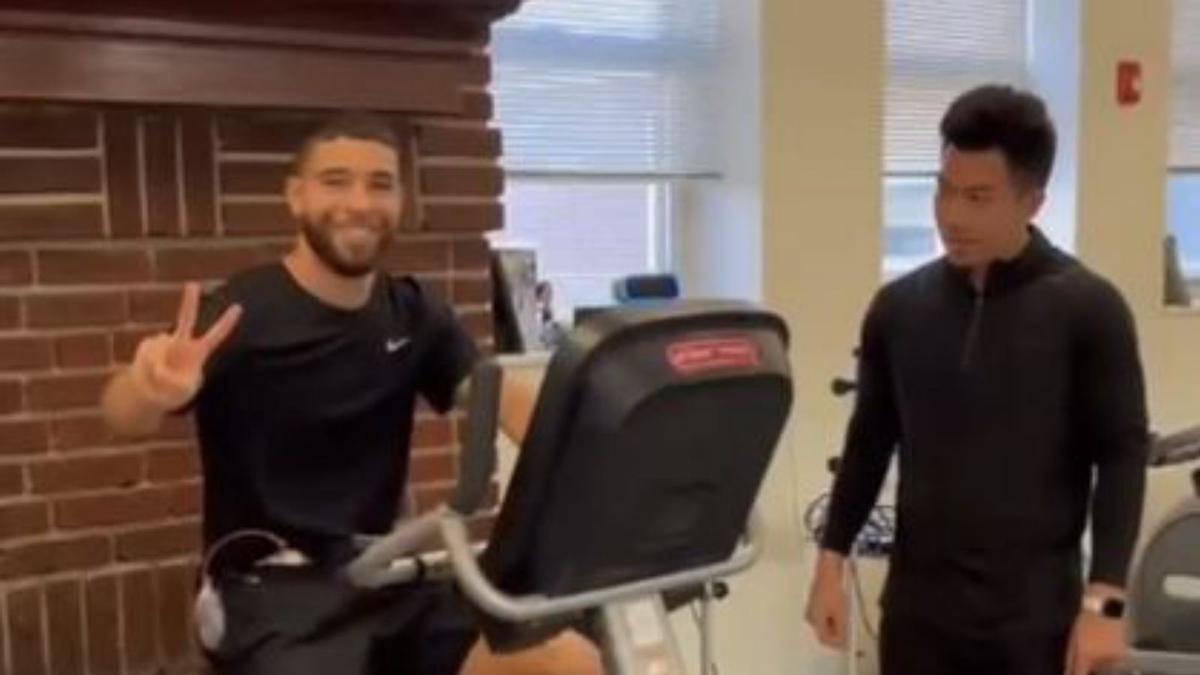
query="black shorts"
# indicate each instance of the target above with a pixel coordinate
(286, 621)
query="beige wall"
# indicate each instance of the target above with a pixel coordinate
(821, 142)
(1122, 208)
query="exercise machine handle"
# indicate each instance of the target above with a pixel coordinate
(477, 458)
(497, 603)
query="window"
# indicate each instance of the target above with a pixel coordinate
(603, 107)
(588, 233)
(1183, 177)
(936, 50)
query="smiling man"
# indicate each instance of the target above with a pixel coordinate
(1007, 377)
(304, 376)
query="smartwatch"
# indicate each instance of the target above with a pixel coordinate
(1106, 606)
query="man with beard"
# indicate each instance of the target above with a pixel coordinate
(304, 376)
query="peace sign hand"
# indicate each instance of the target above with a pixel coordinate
(170, 366)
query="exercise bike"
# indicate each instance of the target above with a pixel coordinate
(633, 491)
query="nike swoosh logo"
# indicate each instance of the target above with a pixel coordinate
(393, 346)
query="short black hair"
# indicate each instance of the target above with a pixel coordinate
(358, 125)
(1001, 117)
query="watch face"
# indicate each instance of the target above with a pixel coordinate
(1113, 608)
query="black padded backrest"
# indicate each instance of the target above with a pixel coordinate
(651, 437)
(1163, 621)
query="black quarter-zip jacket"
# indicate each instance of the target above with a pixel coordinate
(1012, 409)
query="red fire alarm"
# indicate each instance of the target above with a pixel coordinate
(1129, 82)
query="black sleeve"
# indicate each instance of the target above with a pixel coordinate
(1113, 410)
(448, 359)
(870, 438)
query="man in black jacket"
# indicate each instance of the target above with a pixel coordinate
(1006, 375)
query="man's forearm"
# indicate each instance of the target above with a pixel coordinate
(518, 399)
(855, 491)
(1116, 515)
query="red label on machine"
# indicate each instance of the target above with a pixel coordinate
(690, 357)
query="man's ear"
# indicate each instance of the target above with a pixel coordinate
(293, 190)
(1034, 197)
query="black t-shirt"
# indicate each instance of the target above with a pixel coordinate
(306, 411)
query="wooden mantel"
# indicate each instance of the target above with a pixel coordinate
(252, 53)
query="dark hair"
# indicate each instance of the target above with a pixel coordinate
(1003, 118)
(357, 125)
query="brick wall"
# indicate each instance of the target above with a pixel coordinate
(104, 211)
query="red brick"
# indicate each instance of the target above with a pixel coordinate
(12, 480)
(64, 607)
(477, 105)
(43, 222)
(103, 624)
(478, 70)
(184, 499)
(464, 217)
(24, 520)
(432, 468)
(172, 463)
(11, 398)
(70, 310)
(82, 472)
(467, 181)
(478, 323)
(145, 505)
(262, 133)
(254, 178)
(160, 152)
(138, 612)
(16, 268)
(38, 127)
(123, 174)
(10, 312)
(415, 256)
(456, 141)
(157, 543)
(174, 612)
(24, 437)
(64, 392)
(85, 350)
(471, 291)
(79, 431)
(3, 649)
(153, 306)
(272, 218)
(32, 175)
(200, 197)
(24, 353)
(175, 428)
(472, 253)
(93, 266)
(434, 432)
(56, 555)
(26, 637)
(125, 342)
(199, 263)
(114, 508)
